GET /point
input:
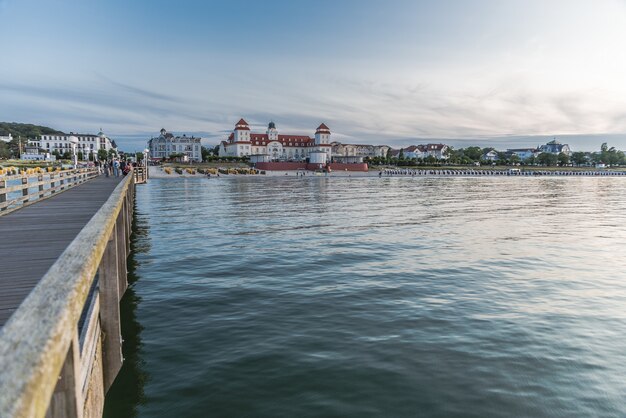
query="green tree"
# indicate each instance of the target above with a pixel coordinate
(80, 155)
(547, 158)
(206, 153)
(563, 159)
(514, 159)
(579, 158)
(5, 151)
(401, 154)
(473, 153)
(112, 153)
(90, 156)
(139, 156)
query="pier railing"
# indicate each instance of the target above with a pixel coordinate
(20, 190)
(141, 174)
(61, 349)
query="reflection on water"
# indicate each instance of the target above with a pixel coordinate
(318, 297)
(127, 392)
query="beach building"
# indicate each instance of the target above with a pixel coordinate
(87, 143)
(32, 153)
(6, 138)
(555, 147)
(166, 144)
(340, 150)
(491, 155)
(272, 146)
(439, 151)
(523, 153)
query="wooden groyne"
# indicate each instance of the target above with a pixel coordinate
(62, 276)
(492, 173)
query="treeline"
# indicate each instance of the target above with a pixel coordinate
(472, 155)
(26, 130)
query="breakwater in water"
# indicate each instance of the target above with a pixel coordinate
(512, 172)
(316, 297)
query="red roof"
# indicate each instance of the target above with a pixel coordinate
(323, 127)
(242, 122)
(285, 140)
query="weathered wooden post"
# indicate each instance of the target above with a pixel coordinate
(3, 194)
(120, 227)
(25, 188)
(110, 311)
(66, 401)
(40, 181)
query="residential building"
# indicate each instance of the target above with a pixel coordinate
(439, 151)
(272, 146)
(6, 138)
(340, 150)
(555, 147)
(87, 143)
(167, 144)
(523, 153)
(491, 155)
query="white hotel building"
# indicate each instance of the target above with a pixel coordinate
(271, 146)
(87, 143)
(167, 144)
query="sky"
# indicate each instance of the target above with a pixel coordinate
(501, 73)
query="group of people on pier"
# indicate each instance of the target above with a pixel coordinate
(483, 173)
(114, 167)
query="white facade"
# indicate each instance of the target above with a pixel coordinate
(6, 138)
(359, 150)
(524, 153)
(167, 144)
(87, 143)
(242, 142)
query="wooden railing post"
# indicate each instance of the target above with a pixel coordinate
(66, 400)
(40, 180)
(25, 187)
(3, 194)
(121, 227)
(110, 311)
(62, 182)
(52, 185)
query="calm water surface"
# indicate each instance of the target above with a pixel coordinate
(394, 297)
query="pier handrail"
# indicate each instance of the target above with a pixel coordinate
(47, 184)
(35, 341)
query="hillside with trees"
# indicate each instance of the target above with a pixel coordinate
(25, 130)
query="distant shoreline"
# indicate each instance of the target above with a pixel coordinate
(158, 172)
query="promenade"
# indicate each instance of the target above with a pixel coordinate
(34, 237)
(62, 276)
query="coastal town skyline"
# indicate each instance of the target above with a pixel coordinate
(509, 75)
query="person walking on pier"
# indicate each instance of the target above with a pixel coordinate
(116, 168)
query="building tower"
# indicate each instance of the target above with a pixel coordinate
(242, 131)
(272, 133)
(322, 135)
(322, 140)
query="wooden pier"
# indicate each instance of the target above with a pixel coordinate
(62, 275)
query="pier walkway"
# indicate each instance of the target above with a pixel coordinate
(33, 238)
(63, 273)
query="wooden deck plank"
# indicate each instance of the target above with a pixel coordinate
(32, 238)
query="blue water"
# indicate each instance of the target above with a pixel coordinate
(394, 297)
